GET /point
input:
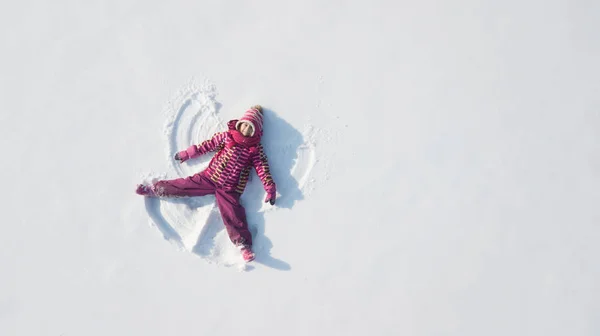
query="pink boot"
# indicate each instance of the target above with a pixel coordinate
(247, 254)
(145, 190)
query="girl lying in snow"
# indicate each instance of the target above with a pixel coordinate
(238, 150)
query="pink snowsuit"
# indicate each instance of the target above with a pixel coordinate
(226, 177)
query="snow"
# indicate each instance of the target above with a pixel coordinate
(437, 162)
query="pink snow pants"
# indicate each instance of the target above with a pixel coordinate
(233, 213)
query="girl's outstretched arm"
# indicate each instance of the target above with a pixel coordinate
(261, 164)
(216, 142)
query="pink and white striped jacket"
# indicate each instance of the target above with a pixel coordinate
(230, 167)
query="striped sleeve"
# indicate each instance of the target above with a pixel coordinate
(261, 164)
(215, 143)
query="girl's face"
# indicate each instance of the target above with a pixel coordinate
(245, 129)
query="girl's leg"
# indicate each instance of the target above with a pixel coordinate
(196, 185)
(234, 217)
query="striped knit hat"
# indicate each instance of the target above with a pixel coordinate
(255, 118)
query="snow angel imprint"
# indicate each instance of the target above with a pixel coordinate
(238, 150)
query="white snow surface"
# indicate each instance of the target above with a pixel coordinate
(438, 167)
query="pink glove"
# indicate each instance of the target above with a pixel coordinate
(186, 154)
(271, 196)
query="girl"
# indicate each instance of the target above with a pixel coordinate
(238, 150)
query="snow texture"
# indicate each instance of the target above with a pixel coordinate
(437, 162)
